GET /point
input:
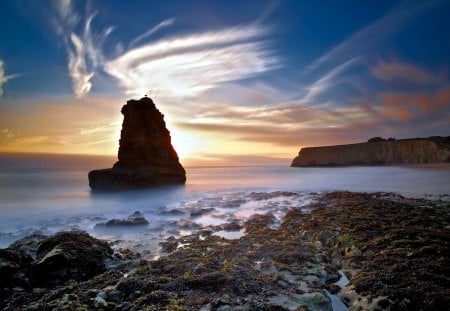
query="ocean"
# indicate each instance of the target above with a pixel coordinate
(45, 194)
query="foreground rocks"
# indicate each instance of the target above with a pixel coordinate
(72, 255)
(361, 251)
(40, 261)
(378, 152)
(146, 155)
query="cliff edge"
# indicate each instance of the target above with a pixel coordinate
(404, 151)
(146, 155)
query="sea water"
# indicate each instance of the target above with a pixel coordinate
(46, 194)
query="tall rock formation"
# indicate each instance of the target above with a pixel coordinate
(416, 150)
(146, 155)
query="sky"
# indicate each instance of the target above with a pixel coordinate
(239, 82)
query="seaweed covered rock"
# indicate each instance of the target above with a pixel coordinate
(69, 255)
(353, 251)
(146, 155)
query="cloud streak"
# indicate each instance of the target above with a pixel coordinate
(289, 124)
(164, 23)
(189, 65)
(326, 81)
(3, 77)
(83, 48)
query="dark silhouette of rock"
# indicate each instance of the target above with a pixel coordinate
(377, 151)
(146, 155)
(376, 139)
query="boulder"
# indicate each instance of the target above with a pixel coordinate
(28, 244)
(134, 220)
(14, 266)
(146, 155)
(69, 255)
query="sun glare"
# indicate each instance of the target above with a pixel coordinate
(185, 143)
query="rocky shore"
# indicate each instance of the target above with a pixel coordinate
(353, 251)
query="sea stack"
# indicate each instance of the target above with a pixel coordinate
(146, 155)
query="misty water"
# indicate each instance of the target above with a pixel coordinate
(42, 195)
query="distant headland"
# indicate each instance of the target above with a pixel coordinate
(146, 155)
(377, 151)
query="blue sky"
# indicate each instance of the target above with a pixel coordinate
(233, 78)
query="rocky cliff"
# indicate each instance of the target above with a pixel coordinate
(417, 150)
(146, 155)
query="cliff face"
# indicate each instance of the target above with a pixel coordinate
(419, 150)
(146, 155)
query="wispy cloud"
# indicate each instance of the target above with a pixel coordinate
(78, 71)
(100, 129)
(301, 122)
(364, 39)
(326, 81)
(287, 125)
(164, 23)
(391, 71)
(9, 133)
(83, 48)
(3, 77)
(189, 65)
(389, 110)
(179, 66)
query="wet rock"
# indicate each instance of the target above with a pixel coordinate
(138, 221)
(29, 244)
(134, 220)
(146, 155)
(184, 224)
(170, 245)
(69, 255)
(172, 212)
(234, 203)
(200, 212)
(14, 268)
(307, 263)
(332, 288)
(232, 226)
(123, 260)
(100, 302)
(310, 301)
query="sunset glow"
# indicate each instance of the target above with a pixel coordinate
(230, 83)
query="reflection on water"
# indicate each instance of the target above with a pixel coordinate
(49, 199)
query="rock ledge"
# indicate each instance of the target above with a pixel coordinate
(404, 151)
